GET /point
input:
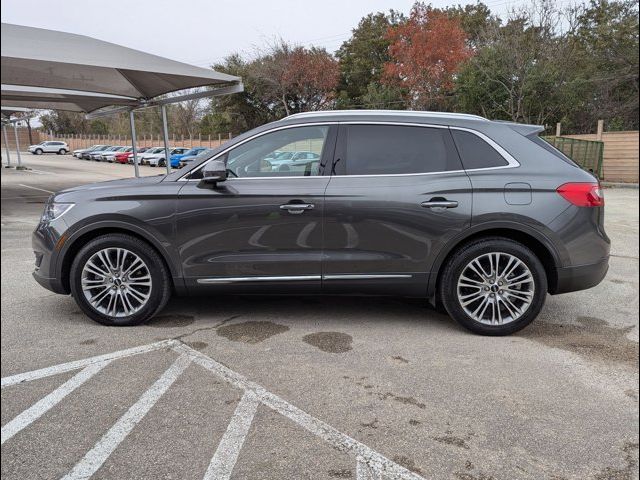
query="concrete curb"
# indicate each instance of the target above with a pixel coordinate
(633, 186)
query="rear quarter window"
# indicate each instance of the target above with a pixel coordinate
(475, 152)
(551, 149)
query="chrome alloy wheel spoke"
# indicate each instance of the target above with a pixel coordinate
(116, 282)
(495, 288)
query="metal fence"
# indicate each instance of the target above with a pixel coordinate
(588, 154)
(143, 140)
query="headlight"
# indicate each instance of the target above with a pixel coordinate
(54, 210)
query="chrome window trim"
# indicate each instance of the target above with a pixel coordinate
(511, 161)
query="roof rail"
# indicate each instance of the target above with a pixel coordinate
(320, 113)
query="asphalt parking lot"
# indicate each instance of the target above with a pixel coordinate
(307, 387)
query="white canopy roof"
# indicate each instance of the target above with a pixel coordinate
(49, 69)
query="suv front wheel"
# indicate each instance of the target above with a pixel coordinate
(119, 280)
(494, 286)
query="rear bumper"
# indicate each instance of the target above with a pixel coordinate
(571, 279)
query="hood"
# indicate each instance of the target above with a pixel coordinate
(113, 184)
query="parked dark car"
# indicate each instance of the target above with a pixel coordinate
(86, 155)
(481, 218)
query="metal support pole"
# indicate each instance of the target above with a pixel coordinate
(6, 144)
(132, 124)
(165, 136)
(15, 132)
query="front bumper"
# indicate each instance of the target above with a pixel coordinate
(44, 240)
(582, 277)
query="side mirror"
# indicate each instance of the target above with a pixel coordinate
(215, 171)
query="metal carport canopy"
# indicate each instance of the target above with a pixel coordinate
(46, 69)
(45, 58)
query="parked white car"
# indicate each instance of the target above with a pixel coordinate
(156, 157)
(61, 148)
(110, 156)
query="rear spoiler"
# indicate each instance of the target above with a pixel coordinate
(523, 128)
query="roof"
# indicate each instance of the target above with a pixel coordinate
(47, 58)
(387, 113)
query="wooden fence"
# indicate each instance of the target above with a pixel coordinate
(620, 163)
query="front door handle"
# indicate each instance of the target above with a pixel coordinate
(297, 208)
(439, 203)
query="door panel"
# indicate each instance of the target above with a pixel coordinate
(262, 227)
(378, 236)
(239, 230)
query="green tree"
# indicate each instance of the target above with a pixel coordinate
(475, 20)
(607, 40)
(525, 70)
(362, 60)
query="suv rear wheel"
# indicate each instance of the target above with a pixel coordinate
(62, 151)
(494, 286)
(119, 280)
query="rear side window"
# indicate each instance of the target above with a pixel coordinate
(475, 152)
(395, 149)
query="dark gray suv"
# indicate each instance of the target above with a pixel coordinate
(482, 218)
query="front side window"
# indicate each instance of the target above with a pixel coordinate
(274, 154)
(396, 149)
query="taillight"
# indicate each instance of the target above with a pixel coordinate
(582, 194)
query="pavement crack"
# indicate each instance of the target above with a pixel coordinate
(181, 337)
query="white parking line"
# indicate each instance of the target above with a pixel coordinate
(340, 441)
(95, 457)
(231, 443)
(34, 188)
(370, 465)
(364, 472)
(70, 366)
(34, 412)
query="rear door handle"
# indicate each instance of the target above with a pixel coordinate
(437, 203)
(297, 208)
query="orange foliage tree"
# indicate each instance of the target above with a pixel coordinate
(426, 52)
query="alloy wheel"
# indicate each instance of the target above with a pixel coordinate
(116, 282)
(495, 288)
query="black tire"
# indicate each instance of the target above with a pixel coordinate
(448, 285)
(38, 151)
(162, 163)
(160, 291)
(62, 151)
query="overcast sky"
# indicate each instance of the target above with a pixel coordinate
(202, 32)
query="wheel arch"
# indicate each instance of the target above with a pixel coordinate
(81, 238)
(541, 246)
